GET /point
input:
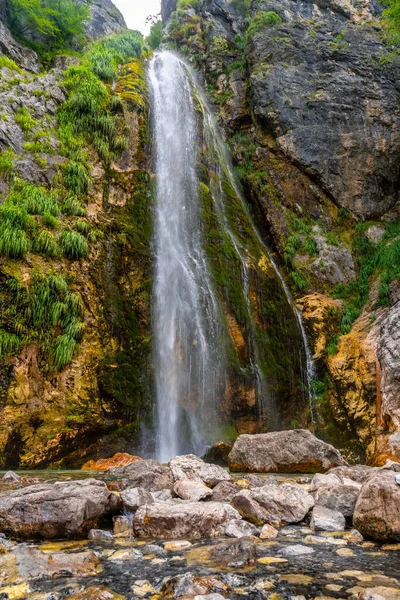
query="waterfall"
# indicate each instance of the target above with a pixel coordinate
(190, 334)
(188, 360)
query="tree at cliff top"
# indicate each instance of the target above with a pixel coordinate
(55, 24)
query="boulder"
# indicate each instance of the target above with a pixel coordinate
(99, 535)
(59, 510)
(191, 490)
(380, 593)
(377, 513)
(324, 519)
(251, 510)
(192, 467)
(283, 452)
(274, 504)
(224, 492)
(148, 474)
(34, 564)
(121, 525)
(239, 529)
(339, 498)
(183, 520)
(132, 498)
(357, 473)
(120, 459)
(162, 496)
(218, 454)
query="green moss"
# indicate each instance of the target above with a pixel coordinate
(124, 375)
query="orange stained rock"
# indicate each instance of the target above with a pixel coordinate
(120, 459)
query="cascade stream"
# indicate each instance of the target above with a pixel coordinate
(190, 348)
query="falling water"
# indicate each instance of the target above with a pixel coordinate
(188, 346)
(188, 361)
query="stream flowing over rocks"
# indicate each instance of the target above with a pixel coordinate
(190, 529)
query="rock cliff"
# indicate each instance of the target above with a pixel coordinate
(308, 97)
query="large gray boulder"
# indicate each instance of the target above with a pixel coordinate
(132, 498)
(274, 504)
(183, 520)
(55, 510)
(336, 492)
(377, 512)
(194, 468)
(325, 519)
(283, 451)
(148, 474)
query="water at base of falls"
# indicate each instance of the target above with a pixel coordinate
(190, 337)
(188, 361)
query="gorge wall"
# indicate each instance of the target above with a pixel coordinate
(307, 95)
(307, 98)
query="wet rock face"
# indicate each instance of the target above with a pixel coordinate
(283, 451)
(59, 510)
(316, 84)
(377, 512)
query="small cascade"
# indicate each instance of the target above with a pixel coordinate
(191, 327)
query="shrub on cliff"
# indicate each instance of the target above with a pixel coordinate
(263, 19)
(49, 25)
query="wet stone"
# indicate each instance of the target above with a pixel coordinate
(296, 550)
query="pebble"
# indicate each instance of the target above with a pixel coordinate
(175, 546)
(297, 550)
(269, 560)
(142, 587)
(345, 552)
(268, 532)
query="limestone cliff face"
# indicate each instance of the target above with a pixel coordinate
(308, 98)
(105, 19)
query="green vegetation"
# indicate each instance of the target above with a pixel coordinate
(7, 158)
(90, 115)
(182, 4)
(45, 244)
(14, 222)
(25, 120)
(8, 63)
(47, 312)
(263, 19)
(73, 244)
(56, 25)
(241, 6)
(391, 21)
(155, 36)
(374, 260)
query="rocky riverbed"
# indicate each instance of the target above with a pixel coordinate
(192, 530)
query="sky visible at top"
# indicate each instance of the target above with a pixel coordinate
(136, 11)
